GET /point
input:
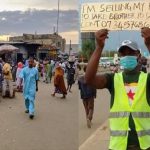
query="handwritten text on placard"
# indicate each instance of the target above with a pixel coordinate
(131, 15)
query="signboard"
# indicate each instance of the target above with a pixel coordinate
(126, 15)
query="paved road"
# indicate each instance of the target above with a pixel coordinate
(58, 124)
(55, 126)
(100, 115)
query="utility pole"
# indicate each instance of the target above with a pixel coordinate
(70, 48)
(57, 22)
(54, 30)
(58, 16)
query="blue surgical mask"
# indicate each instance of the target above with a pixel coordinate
(129, 62)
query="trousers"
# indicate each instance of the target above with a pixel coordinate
(29, 104)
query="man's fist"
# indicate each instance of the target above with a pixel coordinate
(145, 32)
(101, 36)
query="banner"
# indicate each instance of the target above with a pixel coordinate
(126, 15)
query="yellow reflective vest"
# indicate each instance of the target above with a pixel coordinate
(121, 110)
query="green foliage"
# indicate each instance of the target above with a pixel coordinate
(88, 47)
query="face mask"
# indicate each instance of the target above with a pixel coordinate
(128, 62)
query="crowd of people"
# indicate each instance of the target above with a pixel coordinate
(24, 77)
(129, 88)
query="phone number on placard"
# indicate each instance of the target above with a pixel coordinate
(115, 24)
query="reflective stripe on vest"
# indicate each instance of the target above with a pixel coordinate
(125, 133)
(143, 133)
(121, 111)
(141, 114)
(127, 114)
(118, 133)
(119, 114)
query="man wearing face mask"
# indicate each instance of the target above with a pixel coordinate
(29, 76)
(130, 99)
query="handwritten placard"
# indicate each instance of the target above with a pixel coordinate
(127, 15)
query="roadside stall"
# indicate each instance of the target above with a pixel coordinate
(7, 52)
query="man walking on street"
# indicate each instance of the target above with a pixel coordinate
(29, 75)
(130, 98)
(70, 76)
(87, 94)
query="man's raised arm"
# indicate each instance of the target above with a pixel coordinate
(97, 81)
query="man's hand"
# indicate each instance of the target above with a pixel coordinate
(101, 36)
(36, 85)
(36, 89)
(145, 33)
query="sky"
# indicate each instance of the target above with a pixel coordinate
(40, 16)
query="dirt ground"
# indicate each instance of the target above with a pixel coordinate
(55, 126)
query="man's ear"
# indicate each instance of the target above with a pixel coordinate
(139, 57)
(119, 54)
(138, 54)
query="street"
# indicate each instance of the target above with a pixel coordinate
(55, 126)
(100, 115)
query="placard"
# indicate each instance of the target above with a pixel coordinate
(126, 15)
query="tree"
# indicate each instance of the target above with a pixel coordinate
(88, 48)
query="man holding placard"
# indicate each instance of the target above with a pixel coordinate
(130, 98)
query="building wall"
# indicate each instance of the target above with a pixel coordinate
(44, 39)
(74, 47)
(16, 39)
(87, 36)
(23, 50)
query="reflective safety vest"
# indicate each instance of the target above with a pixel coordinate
(121, 110)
